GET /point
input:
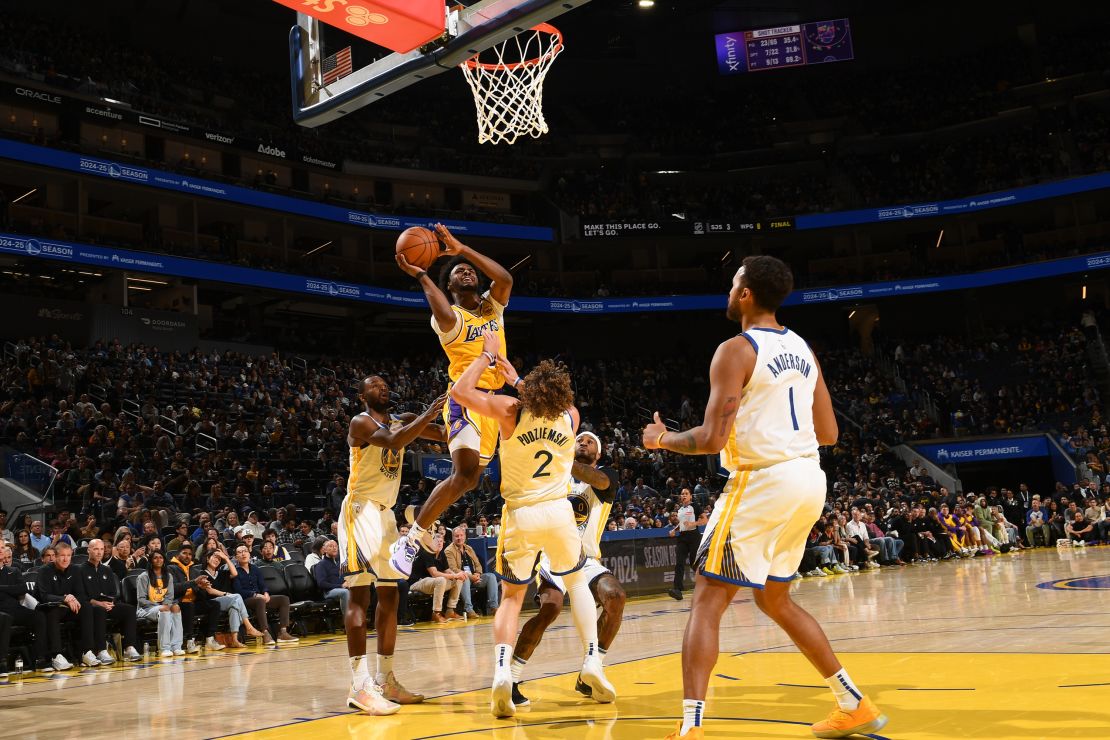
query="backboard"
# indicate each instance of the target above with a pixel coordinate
(469, 28)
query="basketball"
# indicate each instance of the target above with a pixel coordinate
(419, 246)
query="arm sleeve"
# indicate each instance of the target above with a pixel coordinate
(608, 495)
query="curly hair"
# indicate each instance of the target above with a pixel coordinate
(769, 279)
(546, 391)
(445, 274)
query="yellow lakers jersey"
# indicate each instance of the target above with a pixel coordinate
(536, 460)
(463, 341)
(376, 471)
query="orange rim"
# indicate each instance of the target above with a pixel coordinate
(547, 28)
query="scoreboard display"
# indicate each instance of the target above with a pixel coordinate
(784, 46)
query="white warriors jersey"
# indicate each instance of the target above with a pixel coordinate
(774, 422)
(591, 512)
(536, 460)
(376, 471)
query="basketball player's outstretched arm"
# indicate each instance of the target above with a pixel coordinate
(433, 432)
(824, 419)
(365, 431)
(466, 393)
(729, 372)
(502, 280)
(596, 478)
(437, 301)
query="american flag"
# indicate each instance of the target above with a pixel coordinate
(336, 66)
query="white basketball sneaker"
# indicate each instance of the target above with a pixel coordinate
(501, 695)
(369, 699)
(593, 675)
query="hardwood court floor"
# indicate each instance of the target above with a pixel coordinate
(1014, 647)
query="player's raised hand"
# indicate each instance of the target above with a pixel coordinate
(436, 407)
(490, 343)
(652, 433)
(408, 269)
(452, 246)
(507, 369)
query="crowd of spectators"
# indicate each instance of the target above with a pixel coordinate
(235, 464)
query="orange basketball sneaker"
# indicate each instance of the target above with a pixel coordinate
(862, 720)
(695, 733)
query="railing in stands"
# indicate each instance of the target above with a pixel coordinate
(131, 408)
(11, 351)
(99, 392)
(163, 420)
(206, 442)
(299, 364)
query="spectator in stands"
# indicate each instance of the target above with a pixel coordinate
(180, 538)
(1079, 530)
(155, 593)
(48, 556)
(1035, 523)
(188, 593)
(5, 533)
(13, 613)
(219, 571)
(58, 588)
(253, 526)
(280, 552)
(317, 553)
(328, 578)
(101, 596)
(39, 540)
(23, 552)
(461, 559)
(430, 576)
(251, 586)
(893, 545)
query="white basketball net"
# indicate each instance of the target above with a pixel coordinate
(508, 89)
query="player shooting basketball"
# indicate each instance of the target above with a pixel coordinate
(459, 323)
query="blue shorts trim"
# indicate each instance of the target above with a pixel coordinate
(733, 581)
(575, 569)
(514, 581)
(780, 579)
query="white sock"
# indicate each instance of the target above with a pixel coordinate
(360, 670)
(385, 667)
(583, 611)
(502, 659)
(692, 712)
(847, 695)
(601, 653)
(518, 668)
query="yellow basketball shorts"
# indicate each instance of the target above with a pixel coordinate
(759, 526)
(471, 431)
(526, 531)
(366, 531)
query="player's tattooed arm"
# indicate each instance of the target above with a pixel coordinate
(597, 479)
(728, 374)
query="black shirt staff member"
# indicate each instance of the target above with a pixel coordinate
(102, 591)
(59, 593)
(688, 538)
(13, 613)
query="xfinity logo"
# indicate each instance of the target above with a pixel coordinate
(40, 96)
(103, 113)
(221, 138)
(58, 315)
(272, 151)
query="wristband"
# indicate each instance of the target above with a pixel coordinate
(421, 275)
(659, 441)
(518, 382)
(492, 358)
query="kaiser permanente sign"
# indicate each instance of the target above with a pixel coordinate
(1004, 448)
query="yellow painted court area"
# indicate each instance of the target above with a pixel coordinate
(775, 695)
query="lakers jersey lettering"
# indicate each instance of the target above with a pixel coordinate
(462, 342)
(376, 471)
(536, 460)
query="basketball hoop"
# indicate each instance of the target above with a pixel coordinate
(508, 92)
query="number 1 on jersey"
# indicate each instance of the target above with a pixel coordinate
(793, 414)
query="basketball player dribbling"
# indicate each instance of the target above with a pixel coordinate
(459, 324)
(367, 529)
(537, 457)
(768, 411)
